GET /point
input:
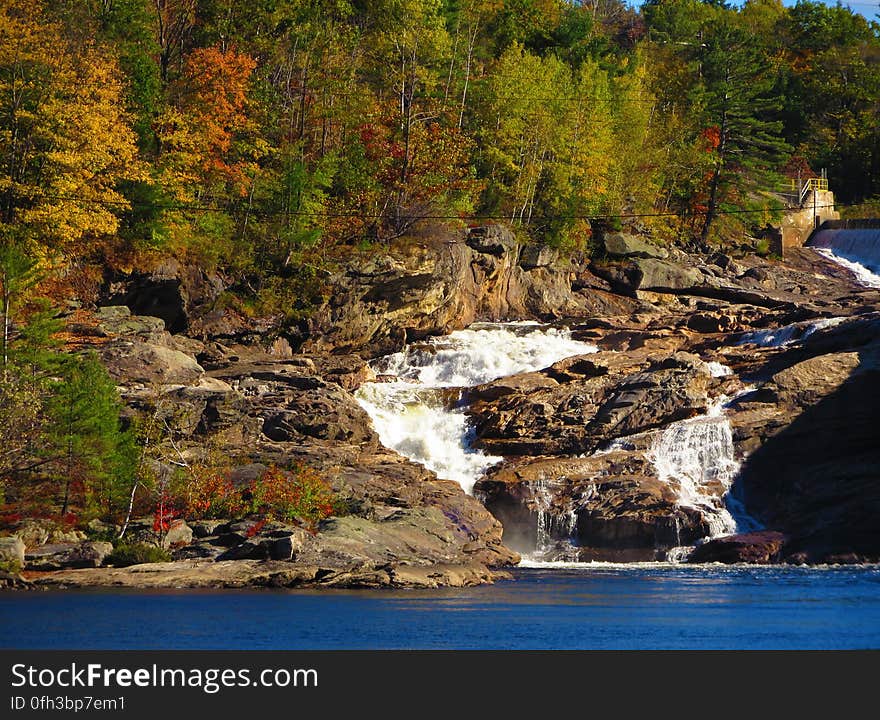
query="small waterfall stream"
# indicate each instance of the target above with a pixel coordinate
(697, 456)
(787, 334)
(413, 412)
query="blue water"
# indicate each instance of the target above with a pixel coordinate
(646, 607)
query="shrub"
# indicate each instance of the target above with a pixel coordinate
(211, 494)
(762, 247)
(126, 554)
(301, 494)
(13, 567)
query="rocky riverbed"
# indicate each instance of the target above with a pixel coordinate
(784, 352)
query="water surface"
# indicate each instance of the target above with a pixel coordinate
(598, 607)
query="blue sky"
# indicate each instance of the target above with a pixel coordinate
(869, 9)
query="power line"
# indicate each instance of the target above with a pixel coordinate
(379, 216)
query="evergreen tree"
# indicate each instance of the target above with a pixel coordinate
(740, 105)
(89, 450)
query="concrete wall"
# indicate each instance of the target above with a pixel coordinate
(798, 224)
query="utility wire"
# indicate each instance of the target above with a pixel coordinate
(182, 207)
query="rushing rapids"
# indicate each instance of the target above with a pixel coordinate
(864, 273)
(788, 334)
(416, 412)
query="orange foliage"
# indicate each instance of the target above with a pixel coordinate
(198, 136)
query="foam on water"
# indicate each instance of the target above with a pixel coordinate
(717, 369)
(412, 414)
(864, 275)
(482, 353)
(697, 457)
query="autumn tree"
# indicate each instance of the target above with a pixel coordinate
(65, 138)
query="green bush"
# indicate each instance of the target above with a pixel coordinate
(126, 554)
(762, 247)
(13, 567)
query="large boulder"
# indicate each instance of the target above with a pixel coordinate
(137, 361)
(761, 547)
(177, 535)
(628, 246)
(537, 256)
(61, 555)
(654, 274)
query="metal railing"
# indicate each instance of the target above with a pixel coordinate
(807, 186)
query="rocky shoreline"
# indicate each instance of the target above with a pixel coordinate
(676, 334)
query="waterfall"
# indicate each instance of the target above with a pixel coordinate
(542, 501)
(858, 245)
(549, 524)
(415, 416)
(697, 456)
(718, 370)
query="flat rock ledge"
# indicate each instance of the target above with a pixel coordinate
(267, 574)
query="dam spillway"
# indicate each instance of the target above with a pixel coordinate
(854, 240)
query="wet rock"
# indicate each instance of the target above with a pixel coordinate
(605, 504)
(762, 547)
(585, 410)
(521, 384)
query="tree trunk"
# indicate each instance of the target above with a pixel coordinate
(712, 205)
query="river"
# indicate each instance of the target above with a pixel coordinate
(656, 606)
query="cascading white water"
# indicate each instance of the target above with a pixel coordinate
(697, 456)
(864, 275)
(787, 334)
(411, 414)
(717, 369)
(550, 525)
(542, 506)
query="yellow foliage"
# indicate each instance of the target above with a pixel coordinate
(65, 138)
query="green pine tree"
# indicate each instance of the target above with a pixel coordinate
(740, 107)
(91, 453)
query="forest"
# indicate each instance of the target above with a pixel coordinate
(274, 139)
